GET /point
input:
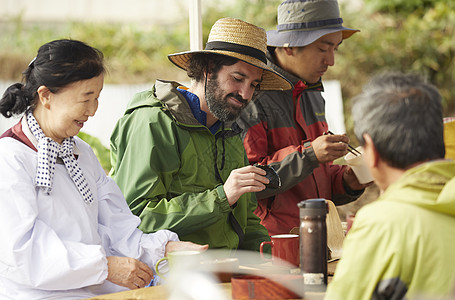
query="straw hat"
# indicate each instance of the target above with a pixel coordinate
(241, 40)
(301, 22)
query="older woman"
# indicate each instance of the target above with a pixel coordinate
(65, 227)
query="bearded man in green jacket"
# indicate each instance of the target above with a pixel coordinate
(401, 245)
(176, 154)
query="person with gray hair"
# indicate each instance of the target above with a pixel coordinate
(395, 98)
(402, 244)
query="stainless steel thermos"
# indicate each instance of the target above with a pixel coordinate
(313, 243)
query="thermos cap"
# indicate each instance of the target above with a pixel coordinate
(313, 207)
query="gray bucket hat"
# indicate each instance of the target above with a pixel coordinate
(301, 22)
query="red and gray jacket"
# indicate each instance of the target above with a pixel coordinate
(278, 129)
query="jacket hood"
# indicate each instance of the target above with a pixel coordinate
(436, 179)
(164, 94)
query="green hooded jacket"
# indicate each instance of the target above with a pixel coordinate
(165, 163)
(402, 245)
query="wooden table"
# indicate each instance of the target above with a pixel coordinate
(161, 292)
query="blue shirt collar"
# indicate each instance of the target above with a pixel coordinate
(195, 106)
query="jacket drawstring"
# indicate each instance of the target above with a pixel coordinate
(223, 158)
(234, 223)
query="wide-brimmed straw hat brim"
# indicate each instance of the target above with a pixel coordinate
(271, 80)
(301, 38)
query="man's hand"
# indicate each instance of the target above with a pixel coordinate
(180, 246)
(327, 148)
(351, 180)
(128, 272)
(248, 179)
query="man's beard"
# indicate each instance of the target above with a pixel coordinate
(219, 104)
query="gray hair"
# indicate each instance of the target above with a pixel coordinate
(403, 115)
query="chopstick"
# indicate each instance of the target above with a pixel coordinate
(351, 149)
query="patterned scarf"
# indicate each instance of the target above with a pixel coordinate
(48, 151)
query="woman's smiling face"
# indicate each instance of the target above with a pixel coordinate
(66, 111)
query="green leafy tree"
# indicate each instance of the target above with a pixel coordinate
(421, 41)
(398, 6)
(403, 35)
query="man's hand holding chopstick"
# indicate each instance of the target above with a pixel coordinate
(328, 147)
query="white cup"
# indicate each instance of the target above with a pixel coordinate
(185, 260)
(358, 165)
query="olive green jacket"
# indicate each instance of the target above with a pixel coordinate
(165, 163)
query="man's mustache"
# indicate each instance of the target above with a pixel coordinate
(238, 97)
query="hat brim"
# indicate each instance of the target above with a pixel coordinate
(301, 38)
(271, 80)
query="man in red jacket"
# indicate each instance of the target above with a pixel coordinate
(285, 129)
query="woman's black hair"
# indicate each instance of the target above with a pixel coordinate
(57, 64)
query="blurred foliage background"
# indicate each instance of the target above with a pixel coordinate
(101, 152)
(402, 35)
